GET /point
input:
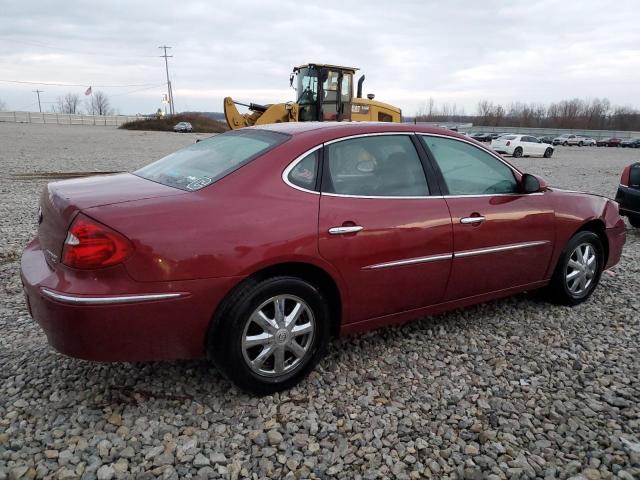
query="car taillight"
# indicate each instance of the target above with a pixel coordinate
(508, 142)
(90, 244)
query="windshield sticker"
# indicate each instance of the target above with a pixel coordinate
(199, 183)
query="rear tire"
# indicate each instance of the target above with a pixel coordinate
(578, 270)
(517, 153)
(251, 342)
(580, 144)
(565, 144)
(548, 152)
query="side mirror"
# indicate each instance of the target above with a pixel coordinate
(532, 184)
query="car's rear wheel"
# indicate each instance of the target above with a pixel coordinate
(565, 144)
(548, 152)
(517, 153)
(269, 334)
(578, 270)
(580, 144)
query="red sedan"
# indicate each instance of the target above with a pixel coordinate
(254, 247)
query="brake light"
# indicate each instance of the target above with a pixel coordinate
(508, 142)
(90, 244)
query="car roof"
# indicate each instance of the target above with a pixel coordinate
(343, 129)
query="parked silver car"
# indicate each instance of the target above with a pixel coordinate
(183, 127)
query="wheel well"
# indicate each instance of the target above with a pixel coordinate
(598, 227)
(314, 275)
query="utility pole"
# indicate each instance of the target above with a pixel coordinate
(39, 92)
(169, 90)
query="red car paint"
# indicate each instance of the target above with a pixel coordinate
(199, 245)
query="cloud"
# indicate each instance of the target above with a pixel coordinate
(456, 52)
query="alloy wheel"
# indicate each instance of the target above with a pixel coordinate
(581, 269)
(278, 336)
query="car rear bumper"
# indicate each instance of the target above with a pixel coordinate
(122, 320)
(629, 200)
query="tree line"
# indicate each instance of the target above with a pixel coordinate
(96, 104)
(595, 114)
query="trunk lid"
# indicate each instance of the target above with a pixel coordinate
(60, 201)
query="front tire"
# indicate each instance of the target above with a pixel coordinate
(517, 153)
(578, 270)
(269, 334)
(580, 144)
(565, 144)
(548, 152)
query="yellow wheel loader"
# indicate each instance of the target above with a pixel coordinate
(324, 93)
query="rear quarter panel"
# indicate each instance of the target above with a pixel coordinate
(573, 211)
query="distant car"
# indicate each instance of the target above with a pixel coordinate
(571, 139)
(521, 145)
(628, 195)
(588, 142)
(481, 137)
(183, 127)
(609, 142)
(633, 143)
(546, 139)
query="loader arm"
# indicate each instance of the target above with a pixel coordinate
(258, 114)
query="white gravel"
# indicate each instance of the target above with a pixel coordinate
(511, 389)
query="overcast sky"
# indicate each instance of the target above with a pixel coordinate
(456, 52)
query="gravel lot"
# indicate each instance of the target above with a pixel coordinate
(511, 389)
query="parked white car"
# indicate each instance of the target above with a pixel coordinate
(570, 139)
(588, 142)
(521, 146)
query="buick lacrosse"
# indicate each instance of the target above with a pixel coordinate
(254, 247)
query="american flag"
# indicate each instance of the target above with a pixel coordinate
(88, 91)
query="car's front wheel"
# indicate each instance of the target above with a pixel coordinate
(580, 144)
(517, 153)
(565, 144)
(548, 152)
(578, 270)
(269, 334)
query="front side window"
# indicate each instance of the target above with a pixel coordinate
(468, 170)
(202, 163)
(379, 166)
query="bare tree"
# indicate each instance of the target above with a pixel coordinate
(99, 104)
(70, 103)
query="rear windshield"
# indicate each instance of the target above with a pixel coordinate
(202, 163)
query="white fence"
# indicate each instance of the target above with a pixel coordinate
(67, 119)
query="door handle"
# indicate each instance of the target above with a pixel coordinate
(345, 230)
(471, 220)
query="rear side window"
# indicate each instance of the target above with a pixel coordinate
(468, 170)
(378, 166)
(202, 163)
(305, 172)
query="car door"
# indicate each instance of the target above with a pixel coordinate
(384, 225)
(502, 238)
(535, 146)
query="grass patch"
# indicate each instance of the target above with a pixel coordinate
(200, 123)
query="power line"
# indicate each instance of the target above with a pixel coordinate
(27, 82)
(77, 52)
(38, 92)
(169, 89)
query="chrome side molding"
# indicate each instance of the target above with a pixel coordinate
(108, 300)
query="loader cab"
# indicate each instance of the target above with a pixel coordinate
(324, 92)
